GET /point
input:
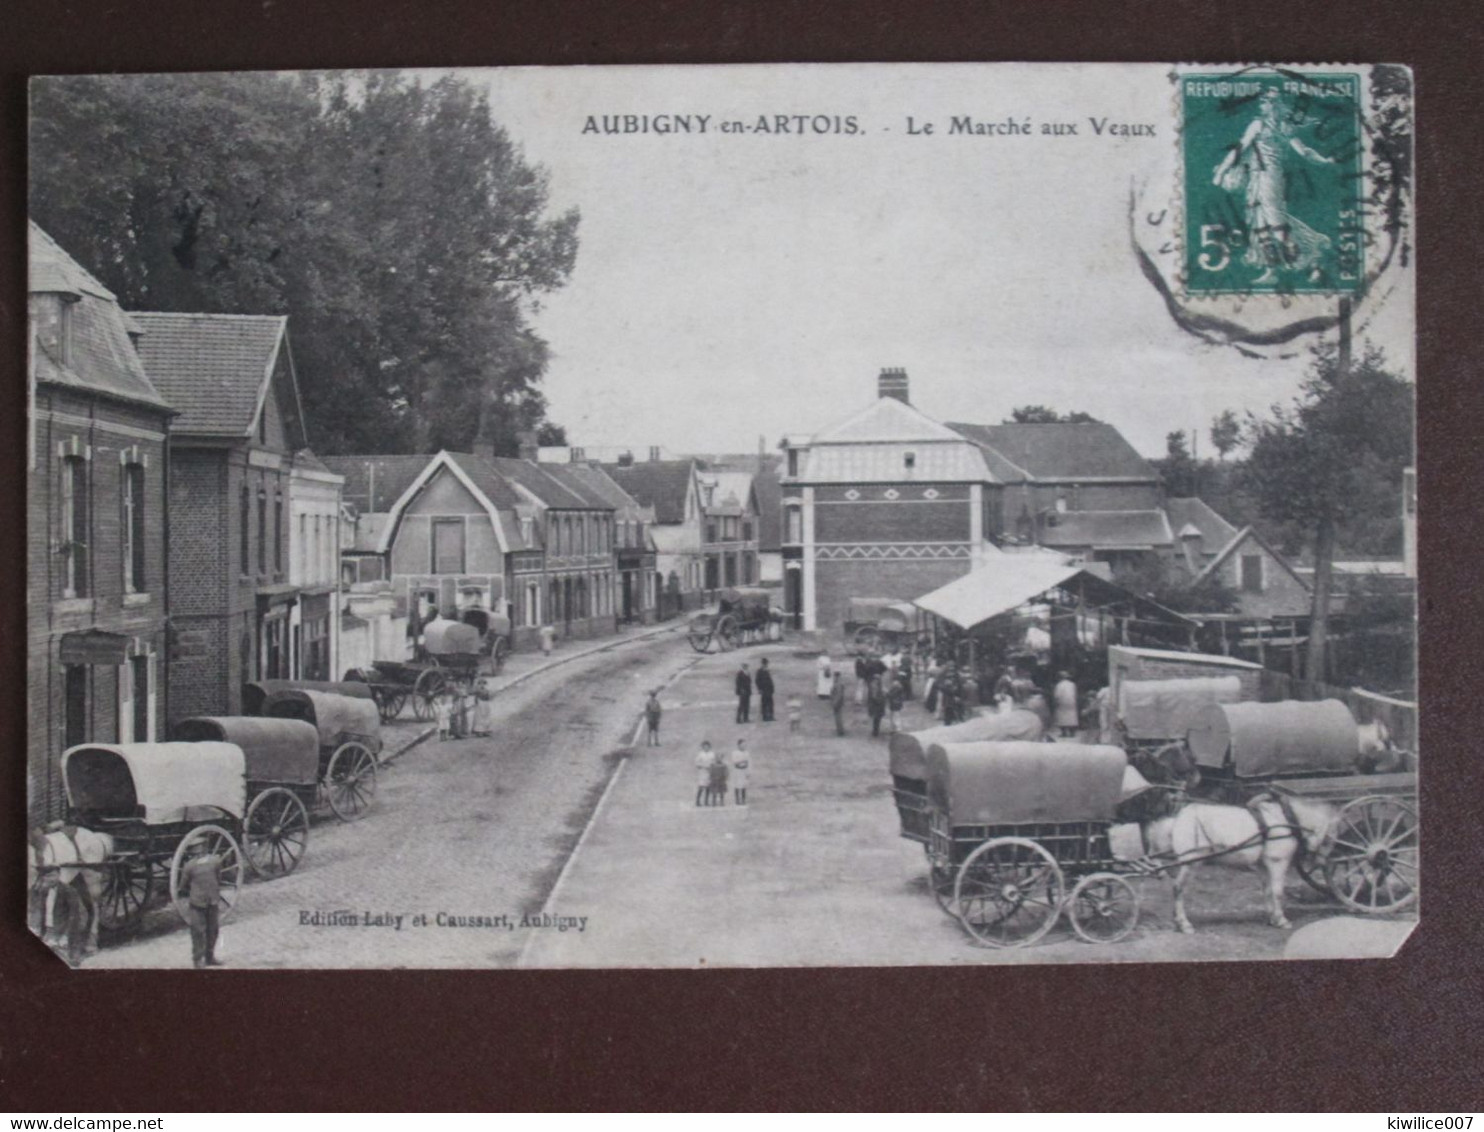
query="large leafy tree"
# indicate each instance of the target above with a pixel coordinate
(394, 221)
(1332, 461)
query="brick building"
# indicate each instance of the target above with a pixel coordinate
(671, 491)
(635, 598)
(96, 517)
(232, 450)
(314, 568)
(729, 506)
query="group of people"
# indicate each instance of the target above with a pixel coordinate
(465, 713)
(715, 770)
(745, 682)
(883, 685)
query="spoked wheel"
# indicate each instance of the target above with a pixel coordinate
(275, 832)
(699, 634)
(128, 884)
(431, 683)
(941, 878)
(728, 632)
(1312, 870)
(390, 702)
(350, 781)
(217, 842)
(1009, 892)
(1104, 908)
(1372, 862)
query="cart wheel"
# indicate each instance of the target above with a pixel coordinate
(699, 634)
(728, 632)
(1009, 892)
(1372, 862)
(942, 878)
(431, 684)
(1104, 908)
(392, 703)
(1311, 869)
(275, 832)
(210, 839)
(128, 884)
(350, 781)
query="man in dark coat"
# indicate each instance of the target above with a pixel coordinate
(875, 705)
(744, 695)
(765, 690)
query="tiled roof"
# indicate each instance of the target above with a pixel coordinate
(661, 484)
(1108, 530)
(547, 482)
(572, 480)
(489, 479)
(387, 476)
(733, 488)
(212, 367)
(305, 458)
(932, 462)
(1062, 451)
(1193, 511)
(885, 419)
(601, 484)
(101, 356)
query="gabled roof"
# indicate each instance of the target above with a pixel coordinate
(1194, 512)
(102, 357)
(601, 484)
(886, 419)
(374, 483)
(547, 484)
(732, 491)
(453, 463)
(492, 483)
(215, 368)
(1231, 548)
(1108, 530)
(1071, 452)
(661, 484)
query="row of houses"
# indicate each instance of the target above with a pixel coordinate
(184, 539)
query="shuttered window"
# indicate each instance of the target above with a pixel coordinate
(448, 546)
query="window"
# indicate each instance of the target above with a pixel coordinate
(263, 425)
(795, 525)
(747, 531)
(303, 555)
(278, 531)
(140, 694)
(793, 461)
(1252, 573)
(448, 546)
(244, 518)
(262, 530)
(909, 461)
(710, 532)
(75, 526)
(274, 659)
(132, 528)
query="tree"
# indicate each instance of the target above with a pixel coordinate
(395, 223)
(1332, 459)
(551, 435)
(1226, 433)
(1178, 467)
(1042, 414)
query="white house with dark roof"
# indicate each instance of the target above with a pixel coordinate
(234, 601)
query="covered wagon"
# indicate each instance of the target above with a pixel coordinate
(348, 737)
(743, 616)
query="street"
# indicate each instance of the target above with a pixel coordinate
(546, 847)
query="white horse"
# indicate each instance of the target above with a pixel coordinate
(1266, 835)
(67, 902)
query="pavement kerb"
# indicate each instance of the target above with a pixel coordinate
(516, 681)
(592, 820)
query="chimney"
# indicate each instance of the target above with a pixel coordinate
(893, 383)
(529, 449)
(654, 453)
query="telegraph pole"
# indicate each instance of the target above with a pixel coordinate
(1324, 542)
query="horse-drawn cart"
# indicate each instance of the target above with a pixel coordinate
(348, 736)
(158, 804)
(283, 768)
(743, 616)
(453, 654)
(877, 623)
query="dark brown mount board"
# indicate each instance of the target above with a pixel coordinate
(1403, 1035)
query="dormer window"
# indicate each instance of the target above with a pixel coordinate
(793, 461)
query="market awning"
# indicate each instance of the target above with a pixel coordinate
(94, 646)
(1012, 580)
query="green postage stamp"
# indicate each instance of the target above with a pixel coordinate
(1273, 194)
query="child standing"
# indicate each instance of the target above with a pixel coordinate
(441, 716)
(739, 773)
(795, 713)
(652, 713)
(704, 759)
(719, 778)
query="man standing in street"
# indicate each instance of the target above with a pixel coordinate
(837, 704)
(765, 690)
(744, 695)
(201, 879)
(652, 713)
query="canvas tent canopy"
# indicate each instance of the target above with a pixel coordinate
(280, 751)
(1012, 580)
(1289, 737)
(908, 749)
(1020, 783)
(161, 783)
(1165, 709)
(442, 637)
(255, 694)
(335, 718)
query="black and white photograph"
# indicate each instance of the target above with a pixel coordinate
(789, 515)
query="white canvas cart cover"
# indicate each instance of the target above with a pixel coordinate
(168, 782)
(1289, 737)
(283, 752)
(1019, 783)
(336, 717)
(1165, 709)
(451, 638)
(908, 749)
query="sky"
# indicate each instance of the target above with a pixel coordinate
(730, 287)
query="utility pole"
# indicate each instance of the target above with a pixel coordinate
(1324, 541)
